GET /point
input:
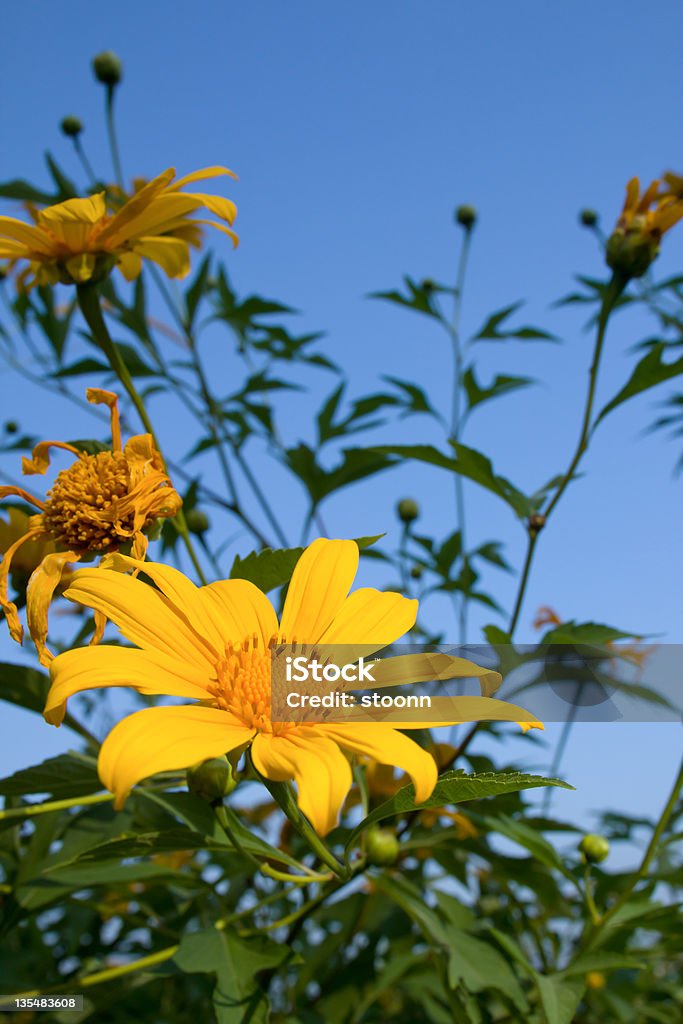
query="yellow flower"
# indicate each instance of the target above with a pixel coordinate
(80, 240)
(213, 644)
(644, 219)
(99, 503)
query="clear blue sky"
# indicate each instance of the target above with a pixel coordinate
(355, 130)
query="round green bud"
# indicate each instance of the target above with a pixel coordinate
(594, 848)
(381, 847)
(428, 285)
(197, 521)
(588, 218)
(108, 68)
(416, 572)
(466, 216)
(407, 510)
(11, 427)
(211, 780)
(631, 253)
(71, 126)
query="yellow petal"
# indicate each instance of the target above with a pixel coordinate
(165, 739)
(39, 593)
(320, 582)
(386, 745)
(16, 630)
(171, 254)
(142, 614)
(156, 217)
(25, 234)
(39, 462)
(130, 265)
(456, 710)
(77, 211)
(81, 267)
(19, 492)
(135, 205)
(98, 396)
(181, 593)
(372, 617)
(422, 668)
(202, 175)
(240, 610)
(93, 668)
(320, 770)
(219, 227)
(222, 207)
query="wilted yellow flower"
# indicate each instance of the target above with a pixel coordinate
(644, 219)
(29, 556)
(213, 644)
(99, 503)
(80, 240)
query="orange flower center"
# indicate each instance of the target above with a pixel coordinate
(243, 685)
(82, 505)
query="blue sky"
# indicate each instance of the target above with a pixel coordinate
(355, 130)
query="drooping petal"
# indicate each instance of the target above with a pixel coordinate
(92, 668)
(143, 615)
(116, 228)
(320, 583)
(39, 593)
(16, 630)
(39, 462)
(388, 746)
(456, 710)
(320, 770)
(98, 396)
(25, 234)
(19, 492)
(222, 207)
(373, 617)
(165, 739)
(172, 254)
(239, 610)
(158, 216)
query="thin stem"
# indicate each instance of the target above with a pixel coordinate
(111, 131)
(588, 894)
(89, 303)
(282, 794)
(99, 977)
(85, 163)
(30, 810)
(524, 579)
(454, 331)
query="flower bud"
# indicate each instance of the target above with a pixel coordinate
(10, 426)
(197, 521)
(588, 218)
(407, 510)
(631, 252)
(211, 780)
(108, 68)
(466, 216)
(381, 847)
(594, 848)
(416, 572)
(71, 126)
(535, 523)
(595, 980)
(428, 285)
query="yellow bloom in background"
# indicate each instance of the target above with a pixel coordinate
(644, 219)
(213, 644)
(80, 240)
(97, 504)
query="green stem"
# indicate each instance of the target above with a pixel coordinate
(524, 579)
(80, 152)
(30, 810)
(113, 143)
(89, 303)
(282, 794)
(648, 857)
(99, 977)
(307, 876)
(588, 894)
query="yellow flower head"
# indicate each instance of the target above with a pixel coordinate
(96, 505)
(213, 645)
(81, 240)
(644, 219)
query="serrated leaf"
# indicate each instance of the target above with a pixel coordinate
(650, 371)
(572, 632)
(559, 998)
(491, 330)
(501, 384)
(456, 787)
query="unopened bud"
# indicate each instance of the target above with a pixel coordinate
(11, 427)
(631, 252)
(428, 285)
(594, 848)
(535, 523)
(416, 572)
(211, 780)
(407, 510)
(381, 847)
(466, 216)
(197, 521)
(588, 218)
(108, 68)
(596, 980)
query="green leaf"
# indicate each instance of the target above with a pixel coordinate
(603, 962)
(268, 569)
(65, 187)
(238, 997)
(584, 633)
(456, 787)
(501, 384)
(491, 331)
(24, 686)
(480, 967)
(17, 188)
(416, 297)
(529, 838)
(356, 464)
(649, 372)
(559, 998)
(81, 366)
(65, 776)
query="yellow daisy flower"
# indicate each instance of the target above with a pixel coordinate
(213, 644)
(99, 503)
(80, 240)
